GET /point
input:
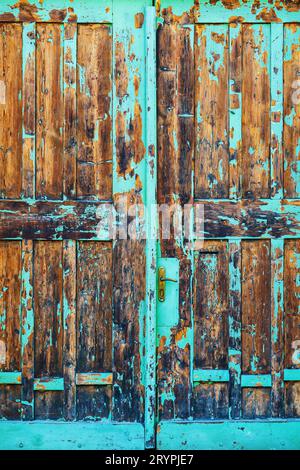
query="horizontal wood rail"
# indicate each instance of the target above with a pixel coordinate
(44, 384)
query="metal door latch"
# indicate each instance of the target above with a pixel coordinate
(162, 279)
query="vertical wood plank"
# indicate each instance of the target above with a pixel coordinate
(49, 111)
(10, 325)
(70, 110)
(256, 110)
(256, 323)
(235, 109)
(277, 306)
(27, 331)
(94, 325)
(276, 156)
(235, 331)
(211, 103)
(94, 163)
(28, 163)
(69, 323)
(10, 110)
(291, 135)
(48, 325)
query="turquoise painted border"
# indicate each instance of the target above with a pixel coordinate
(256, 380)
(210, 375)
(229, 435)
(39, 435)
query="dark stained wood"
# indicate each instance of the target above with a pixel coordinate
(256, 111)
(49, 111)
(10, 110)
(256, 403)
(211, 104)
(48, 324)
(94, 325)
(94, 86)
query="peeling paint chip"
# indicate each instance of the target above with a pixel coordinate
(2, 92)
(2, 352)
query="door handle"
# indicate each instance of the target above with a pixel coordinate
(162, 279)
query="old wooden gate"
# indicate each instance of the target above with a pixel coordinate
(79, 314)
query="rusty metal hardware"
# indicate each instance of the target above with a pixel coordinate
(162, 279)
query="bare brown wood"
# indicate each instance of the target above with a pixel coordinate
(211, 104)
(94, 164)
(49, 111)
(10, 110)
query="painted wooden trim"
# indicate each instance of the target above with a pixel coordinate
(229, 219)
(46, 384)
(10, 378)
(151, 252)
(50, 435)
(190, 11)
(213, 375)
(229, 435)
(257, 380)
(94, 378)
(59, 11)
(291, 375)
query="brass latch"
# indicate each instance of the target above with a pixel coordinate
(162, 279)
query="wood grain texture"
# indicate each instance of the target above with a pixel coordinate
(175, 112)
(94, 325)
(211, 104)
(256, 111)
(10, 110)
(291, 132)
(49, 111)
(94, 62)
(10, 325)
(48, 324)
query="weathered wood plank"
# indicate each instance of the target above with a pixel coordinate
(256, 111)
(75, 220)
(27, 331)
(94, 325)
(211, 103)
(10, 325)
(49, 111)
(256, 323)
(291, 133)
(29, 124)
(10, 110)
(48, 325)
(70, 111)
(69, 324)
(94, 63)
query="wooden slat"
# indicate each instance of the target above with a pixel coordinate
(70, 111)
(94, 164)
(277, 305)
(10, 378)
(94, 378)
(10, 325)
(69, 324)
(256, 111)
(49, 111)
(48, 324)
(46, 384)
(234, 320)
(75, 220)
(235, 108)
(256, 323)
(276, 157)
(257, 380)
(210, 375)
(292, 323)
(291, 133)
(211, 103)
(27, 331)
(94, 325)
(10, 110)
(28, 162)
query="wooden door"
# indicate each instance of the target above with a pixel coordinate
(228, 140)
(72, 300)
